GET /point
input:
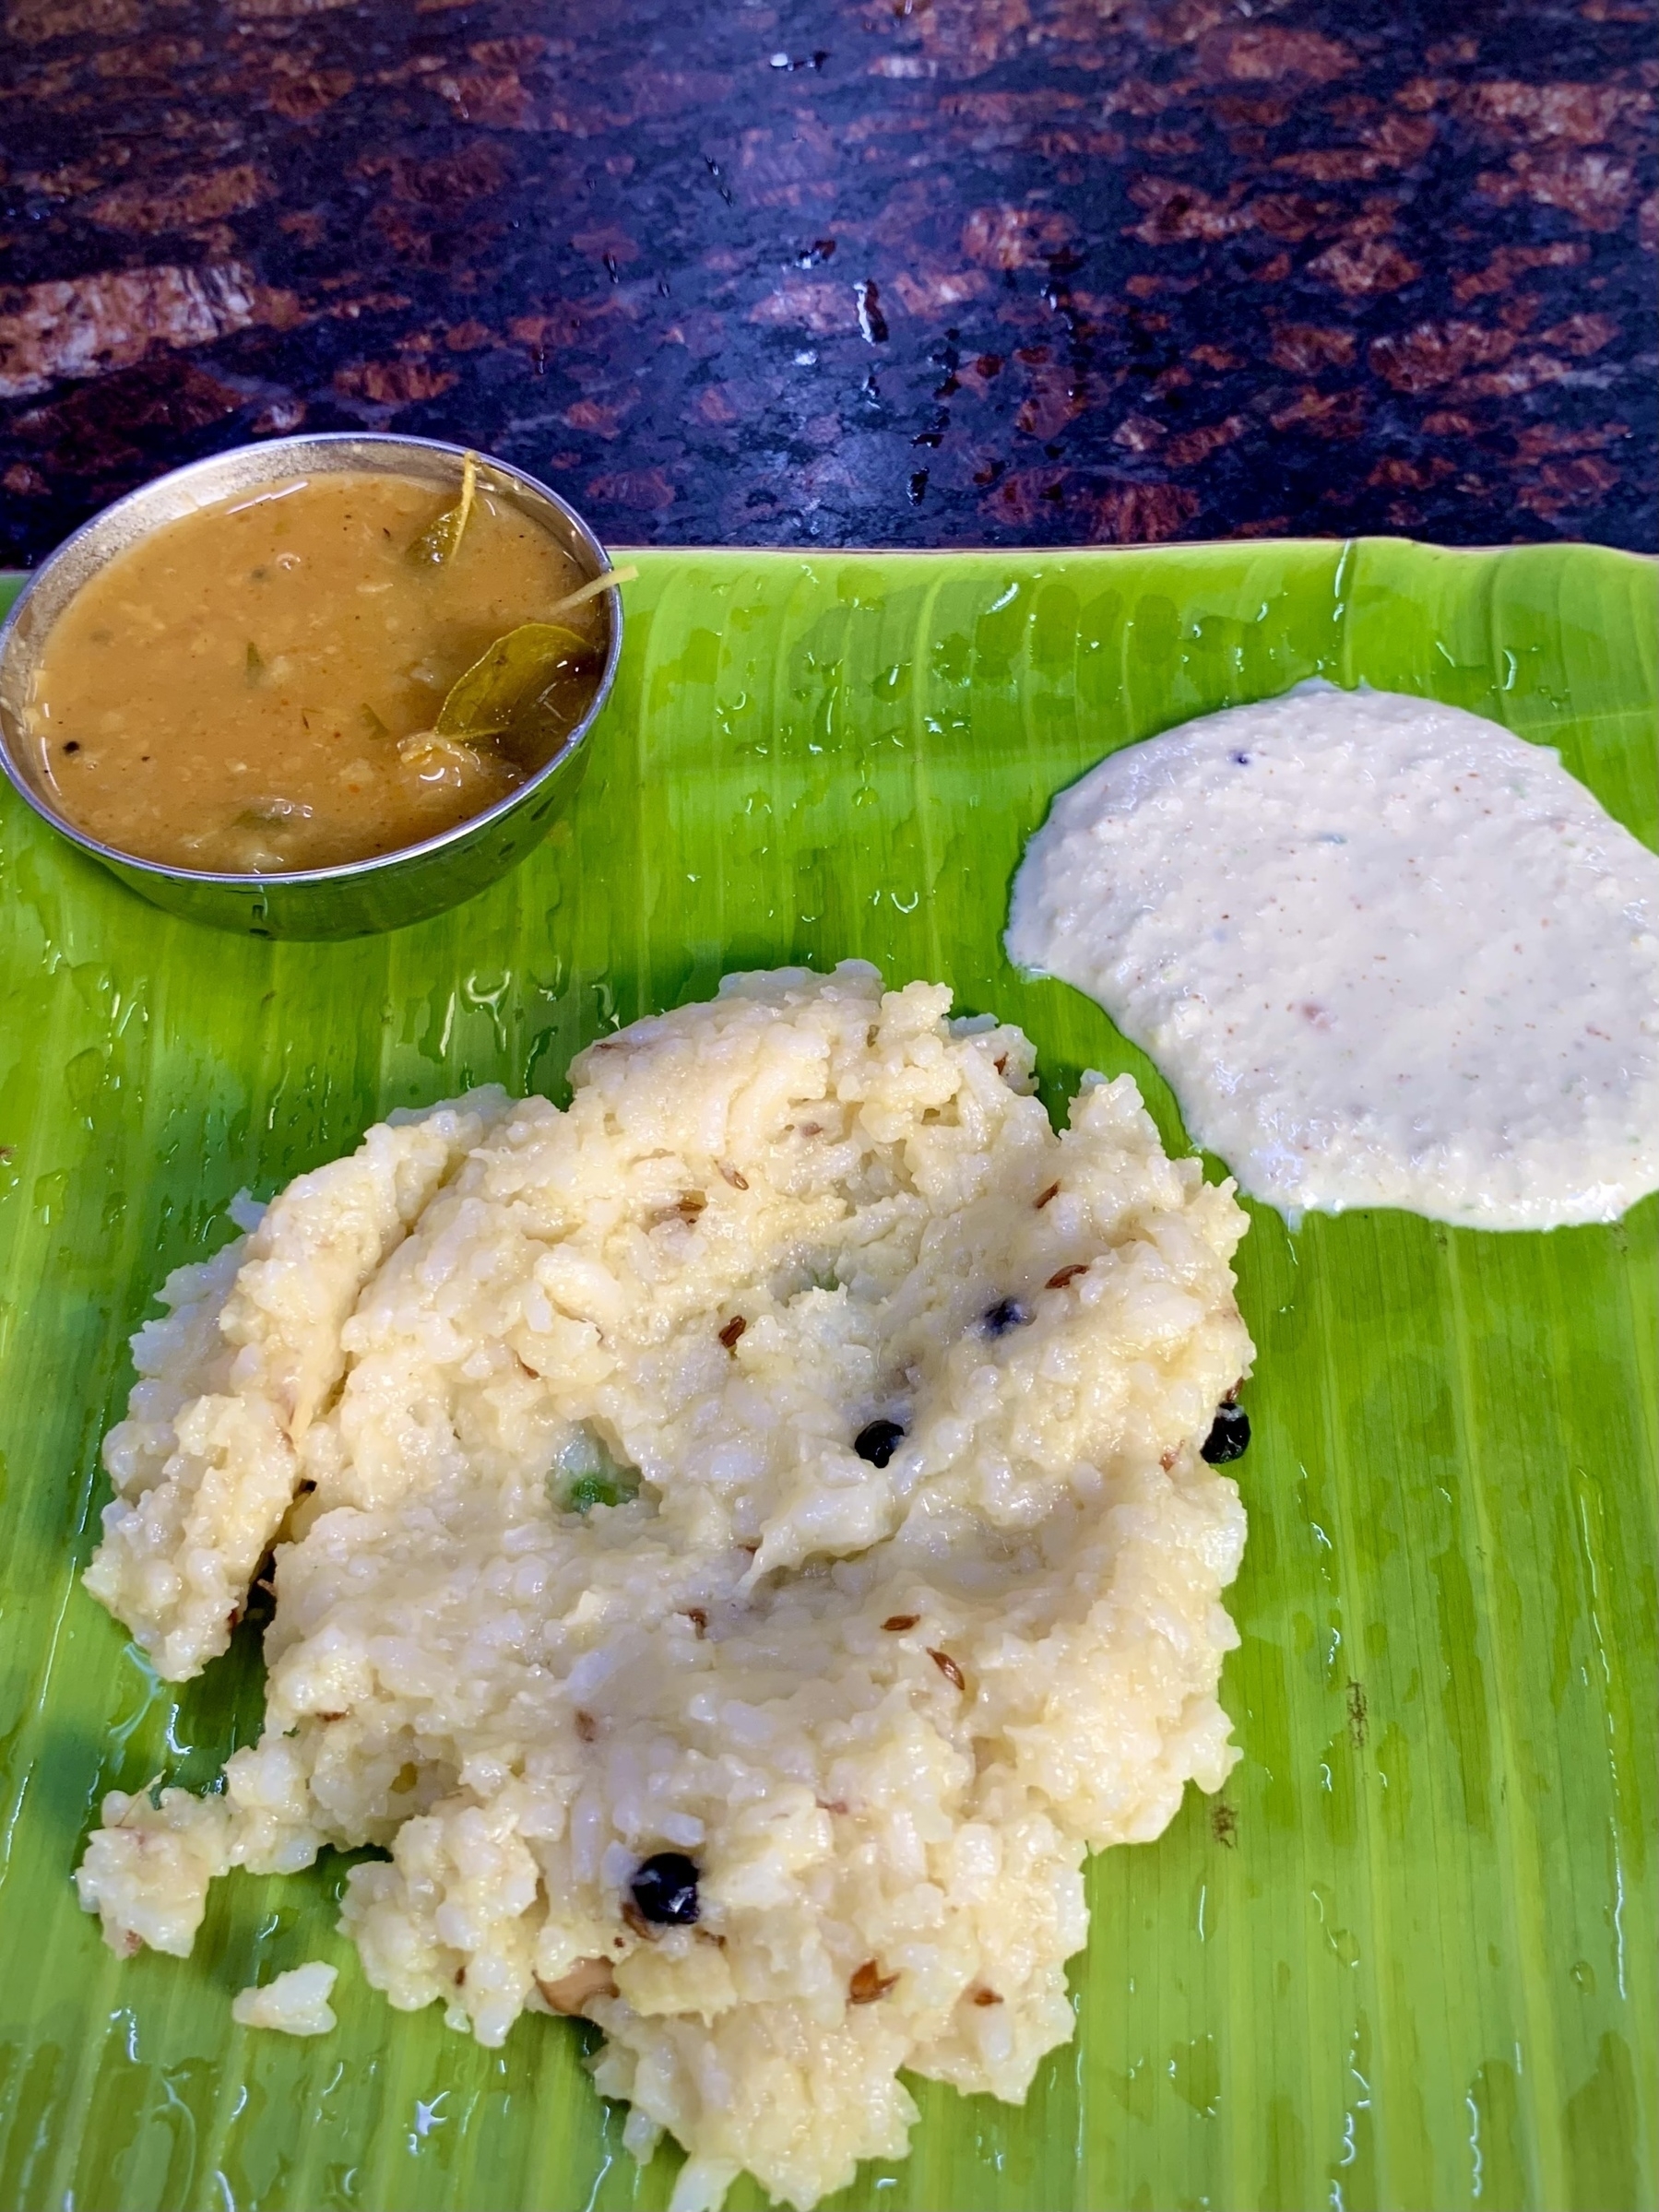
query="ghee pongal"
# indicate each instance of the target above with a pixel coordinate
(739, 1541)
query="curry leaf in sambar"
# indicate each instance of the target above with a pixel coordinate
(441, 539)
(506, 683)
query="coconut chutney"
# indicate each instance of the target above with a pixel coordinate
(739, 1541)
(1385, 952)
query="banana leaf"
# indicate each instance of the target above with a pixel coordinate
(1406, 1960)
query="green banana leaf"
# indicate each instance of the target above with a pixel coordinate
(1409, 1959)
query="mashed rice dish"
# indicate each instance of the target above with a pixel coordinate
(738, 1542)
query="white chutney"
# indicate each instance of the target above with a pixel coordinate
(1385, 952)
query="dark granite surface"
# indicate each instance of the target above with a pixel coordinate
(908, 272)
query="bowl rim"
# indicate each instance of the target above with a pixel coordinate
(340, 871)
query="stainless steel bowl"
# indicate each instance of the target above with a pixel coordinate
(359, 896)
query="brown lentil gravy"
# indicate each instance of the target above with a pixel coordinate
(245, 689)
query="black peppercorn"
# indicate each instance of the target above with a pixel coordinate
(1229, 1437)
(664, 1889)
(878, 1441)
(1006, 1314)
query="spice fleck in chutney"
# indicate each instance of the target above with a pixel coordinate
(325, 669)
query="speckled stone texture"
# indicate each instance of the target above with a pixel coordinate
(888, 272)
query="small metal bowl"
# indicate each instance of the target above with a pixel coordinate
(359, 896)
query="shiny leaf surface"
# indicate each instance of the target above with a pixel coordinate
(1405, 1960)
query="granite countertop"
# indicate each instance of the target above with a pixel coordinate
(897, 272)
